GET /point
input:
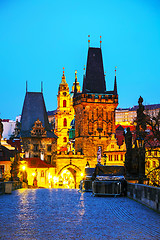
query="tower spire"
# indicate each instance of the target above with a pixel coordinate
(26, 86)
(88, 41)
(41, 86)
(75, 85)
(115, 83)
(63, 77)
(100, 41)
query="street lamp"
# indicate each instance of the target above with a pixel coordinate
(105, 158)
(141, 159)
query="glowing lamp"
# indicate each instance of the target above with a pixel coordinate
(23, 167)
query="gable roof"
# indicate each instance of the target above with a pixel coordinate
(94, 80)
(34, 108)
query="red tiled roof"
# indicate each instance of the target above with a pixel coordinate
(37, 163)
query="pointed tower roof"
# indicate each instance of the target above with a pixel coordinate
(33, 109)
(63, 78)
(94, 80)
(115, 84)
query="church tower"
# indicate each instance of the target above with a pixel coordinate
(64, 115)
(94, 108)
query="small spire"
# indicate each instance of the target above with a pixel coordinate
(41, 86)
(100, 41)
(75, 85)
(84, 69)
(115, 83)
(26, 86)
(88, 41)
(63, 77)
(115, 71)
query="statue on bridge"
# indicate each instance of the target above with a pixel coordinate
(99, 155)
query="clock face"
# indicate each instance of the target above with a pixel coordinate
(64, 93)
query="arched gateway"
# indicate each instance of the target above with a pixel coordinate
(69, 176)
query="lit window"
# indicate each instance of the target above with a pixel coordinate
(64, 103)
(65, 122)
(42, 173)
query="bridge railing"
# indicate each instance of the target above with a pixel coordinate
(148, 195)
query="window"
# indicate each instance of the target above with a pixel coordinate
(65, 122)
(42, 173)
(115, 157)
(49, 148)
(64, 139)
(64, 103)
(112, 146)
(154, 163)
(64, 93)
(35, 148)
(121, 157)
(2, 169)
(110, 157)
(155, 153)
(49, 158)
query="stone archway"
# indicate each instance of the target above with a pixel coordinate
(69, 176)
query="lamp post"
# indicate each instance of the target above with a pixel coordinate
(105, 158)
(141, 159)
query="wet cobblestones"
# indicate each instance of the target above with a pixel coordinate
(68, 214)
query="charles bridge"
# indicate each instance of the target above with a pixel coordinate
(71, 214)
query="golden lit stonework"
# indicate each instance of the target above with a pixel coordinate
(38, 130)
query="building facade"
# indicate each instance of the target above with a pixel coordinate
(94, 108)
(38, 138)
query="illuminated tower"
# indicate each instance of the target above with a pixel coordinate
(64, 115)
(94, 108)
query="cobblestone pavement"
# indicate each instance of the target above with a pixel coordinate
(68, 214)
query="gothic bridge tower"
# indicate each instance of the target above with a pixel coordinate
(94, 108)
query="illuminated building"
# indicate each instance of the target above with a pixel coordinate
(7, 153)
(94, 108)
(64, 114)
(127, 116)
(38, 173)
(152, 160)
(38, 138)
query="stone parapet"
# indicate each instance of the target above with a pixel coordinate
(147, 195)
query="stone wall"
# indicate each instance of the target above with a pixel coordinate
(148, 195)
(8, 187)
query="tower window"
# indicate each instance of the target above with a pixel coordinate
(64, 139)
(65, 122)
(64, 103)
(49, 148)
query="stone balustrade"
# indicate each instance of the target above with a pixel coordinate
(147, 195)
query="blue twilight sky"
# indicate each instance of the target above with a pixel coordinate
(40, 37)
